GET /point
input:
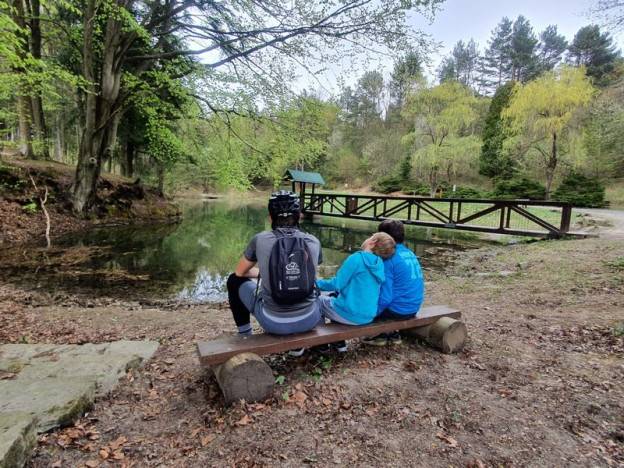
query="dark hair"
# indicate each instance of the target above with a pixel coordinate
(394, 228)
(288, 221)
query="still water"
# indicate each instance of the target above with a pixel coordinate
(190, 261)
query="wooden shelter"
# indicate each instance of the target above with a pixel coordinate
(303, 178)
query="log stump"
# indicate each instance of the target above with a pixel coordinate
(446, 334)
(244, 377)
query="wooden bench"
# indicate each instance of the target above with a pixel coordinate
(242, 374)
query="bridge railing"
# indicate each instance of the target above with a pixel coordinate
(517, 217)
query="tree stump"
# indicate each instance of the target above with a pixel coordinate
(446, 334)
(244, 377)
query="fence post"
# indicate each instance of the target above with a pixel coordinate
(566, 216)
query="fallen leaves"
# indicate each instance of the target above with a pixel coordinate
(244, 421)
(448, 439)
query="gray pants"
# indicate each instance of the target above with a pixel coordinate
(329, 312)
(274, 323)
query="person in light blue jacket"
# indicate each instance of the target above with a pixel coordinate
(403, 291)
(357, 284)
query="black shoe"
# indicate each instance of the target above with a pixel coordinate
(394, 338)
(323, 349)
(340, 346)
(379, 340)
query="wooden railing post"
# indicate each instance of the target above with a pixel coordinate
(566, 217)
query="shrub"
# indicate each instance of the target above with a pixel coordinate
(580, 190)
(468, 192)
(30, 208)
(415, 188)
(392, 183)
(519, 187)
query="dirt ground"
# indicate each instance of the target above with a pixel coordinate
(538, 384)
(22, 219)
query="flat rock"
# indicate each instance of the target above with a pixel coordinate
(106, 363)
(18, 437)
(46, 386)
(53, 402)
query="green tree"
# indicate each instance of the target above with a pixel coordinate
(540, 117)
(496, 62)
(406, 73)
(493, 162)
(462, 65)
(245, 45)
(594, 50)
(441, 141)
(603, 134)
(550, 49)
(523, 48)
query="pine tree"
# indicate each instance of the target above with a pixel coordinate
(462, 65)
(407, 71)
(496, 62)
(596, 51)
(551, 48)
(523, 44)
(492, 162)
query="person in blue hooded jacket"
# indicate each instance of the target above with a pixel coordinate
(357, 284)
(403, 291)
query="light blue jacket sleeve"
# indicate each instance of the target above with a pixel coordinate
(385, 295)
(343, 275)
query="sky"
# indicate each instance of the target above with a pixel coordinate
(466, 19)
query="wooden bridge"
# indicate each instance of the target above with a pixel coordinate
(516, 217)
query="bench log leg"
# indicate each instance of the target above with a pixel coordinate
(446, 334)
(244, 377)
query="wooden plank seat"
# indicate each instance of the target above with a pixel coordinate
(242, 374)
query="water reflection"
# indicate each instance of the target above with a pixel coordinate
(190, 261)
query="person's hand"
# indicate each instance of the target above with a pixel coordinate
(368, 244)
(253, 273)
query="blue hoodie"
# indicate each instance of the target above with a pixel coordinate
(404, 289)
(357, 281)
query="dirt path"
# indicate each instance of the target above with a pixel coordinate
(539, 383)
(613, 217)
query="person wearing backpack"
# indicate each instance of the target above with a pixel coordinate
(284, 260)
(357, 283)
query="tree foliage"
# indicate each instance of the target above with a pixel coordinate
(441, 138)
(493, 161)
(540, 117)
(595, 51)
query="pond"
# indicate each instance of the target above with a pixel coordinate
(190, 261)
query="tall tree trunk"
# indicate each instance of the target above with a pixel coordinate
(127, 159)
(41, 131)
(24, 109)
(160, 171)
(25, 128)
(551, 166)
(59, 138)
(99, 108)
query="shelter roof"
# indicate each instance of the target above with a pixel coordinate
(303, 176)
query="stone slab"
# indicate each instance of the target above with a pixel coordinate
(54, 402)
(53, 385)
(18, 437)
(106, 362)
